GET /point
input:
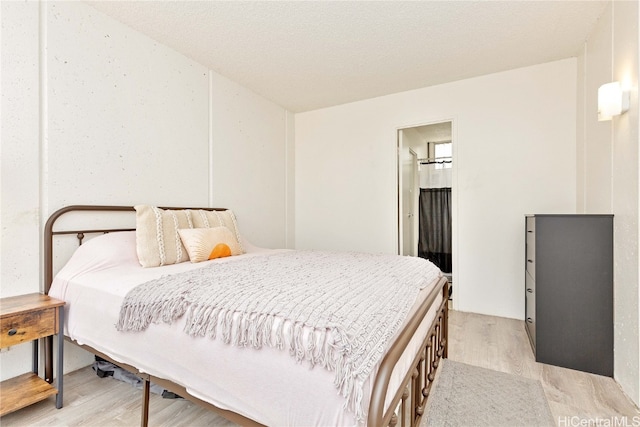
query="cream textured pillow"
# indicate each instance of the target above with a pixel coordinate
(157, 239)
(201, 243)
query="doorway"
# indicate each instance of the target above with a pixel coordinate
(425, 185)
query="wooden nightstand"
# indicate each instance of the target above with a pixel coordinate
(27, 318)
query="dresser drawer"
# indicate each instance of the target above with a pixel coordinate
(529, 284)
(530, 247)
(24, 327)
(530, 224)
(531, 265)
(530, 255)
(530, 308)
(530, 317)
(531, 244)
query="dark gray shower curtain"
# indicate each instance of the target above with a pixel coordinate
(434, 243)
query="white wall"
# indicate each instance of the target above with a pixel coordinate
(249, 162)
(412, 139)
(96, 113)
(514, 150)
(126, 118)
(597, 156)
(610, 173)
(19, 171)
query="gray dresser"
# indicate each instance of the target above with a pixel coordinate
(569, 290)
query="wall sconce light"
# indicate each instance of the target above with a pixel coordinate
(612, 101)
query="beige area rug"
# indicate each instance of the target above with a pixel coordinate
(465, 395)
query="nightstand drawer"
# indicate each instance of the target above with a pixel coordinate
(26, 327)
(26, 318)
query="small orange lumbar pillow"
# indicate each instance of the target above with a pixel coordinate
(202, 243)
(220, 250)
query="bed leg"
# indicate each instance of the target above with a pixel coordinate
(146, 385)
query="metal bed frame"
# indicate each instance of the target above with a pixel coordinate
(408, 403)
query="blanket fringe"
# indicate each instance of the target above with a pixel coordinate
(323, 347)
(346, 334)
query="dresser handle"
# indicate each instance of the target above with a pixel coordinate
(12, 332)
(529, 319)
(530, 290)
(529, 231)
(530, 260)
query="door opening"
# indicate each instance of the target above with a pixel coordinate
(425, 163)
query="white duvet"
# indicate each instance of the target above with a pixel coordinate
(266, 385)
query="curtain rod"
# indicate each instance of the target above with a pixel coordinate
(432, 160)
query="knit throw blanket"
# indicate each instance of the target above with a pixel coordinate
(334, 309)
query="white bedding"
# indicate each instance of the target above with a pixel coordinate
(266, 385)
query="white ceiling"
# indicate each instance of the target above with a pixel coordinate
(435, 133)
(306, 55)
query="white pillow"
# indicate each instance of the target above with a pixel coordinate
(109, 249)
(203, 244)
(157, 239)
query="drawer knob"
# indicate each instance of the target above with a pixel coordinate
(530, 260)
(529, 319)
(12, 332)
(530, 290)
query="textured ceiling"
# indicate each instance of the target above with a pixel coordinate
(435, 132)
(306, 55)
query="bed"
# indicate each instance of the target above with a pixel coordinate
(263, 383)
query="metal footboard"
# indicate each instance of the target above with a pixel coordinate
(409, 403)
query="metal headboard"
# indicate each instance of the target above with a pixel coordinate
(49, 232)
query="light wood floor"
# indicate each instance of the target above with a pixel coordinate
(575, 398)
